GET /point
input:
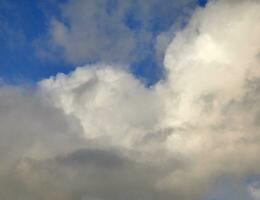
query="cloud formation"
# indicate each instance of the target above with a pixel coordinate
(99, 133)
(111, 30)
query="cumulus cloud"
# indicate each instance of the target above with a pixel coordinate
(99, 133)
(109, 103)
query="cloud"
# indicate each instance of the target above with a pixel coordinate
(100, 133)
(108, 102)
(254, 190)
(211, 86)
(111, 30)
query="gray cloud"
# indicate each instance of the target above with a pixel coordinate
(111, 31)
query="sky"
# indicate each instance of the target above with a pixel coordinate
(129, 99)
(124, 32)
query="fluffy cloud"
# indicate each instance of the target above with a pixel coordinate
(99, 133)
(109, 103)
(211, 94)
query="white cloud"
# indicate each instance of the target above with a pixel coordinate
(110, 137)
(108, 102)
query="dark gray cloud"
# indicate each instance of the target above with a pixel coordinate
(89, 175)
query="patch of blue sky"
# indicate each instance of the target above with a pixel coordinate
(202, 2)
(21, 22)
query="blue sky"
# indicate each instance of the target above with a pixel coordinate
(24, 23)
